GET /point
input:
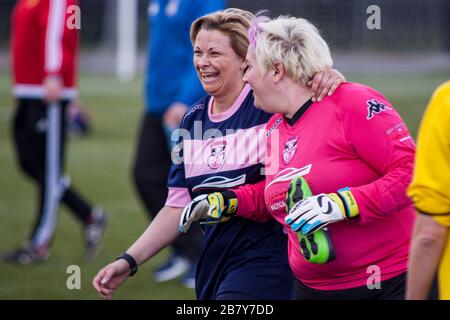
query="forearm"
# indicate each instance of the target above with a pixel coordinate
(160, 233)
(426, 250)
(384, 146)
(251, 204)
(422, 269)
(386, 195)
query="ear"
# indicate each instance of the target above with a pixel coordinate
(278, 71)
(244, 66)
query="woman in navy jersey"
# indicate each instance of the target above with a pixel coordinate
(220, 146)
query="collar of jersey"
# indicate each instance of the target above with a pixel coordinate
(300, 112)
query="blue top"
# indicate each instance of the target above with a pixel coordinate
(170, 75)
(238, 255)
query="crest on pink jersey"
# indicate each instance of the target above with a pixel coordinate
(290, 147)
(216, 156)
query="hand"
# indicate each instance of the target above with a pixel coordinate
(174, 114)
(110, 278)
(318, 246)
(53, 87)
(325, 83)
(215, 207)
(314, 213)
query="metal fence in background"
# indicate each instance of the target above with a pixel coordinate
(406, 25)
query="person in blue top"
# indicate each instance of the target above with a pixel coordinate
(171, 85)
(219, 148)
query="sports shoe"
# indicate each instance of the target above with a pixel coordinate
(173, 268)
(94, 232)
(27, 255)
(188, 280)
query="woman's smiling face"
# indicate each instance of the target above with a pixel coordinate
(218, 65)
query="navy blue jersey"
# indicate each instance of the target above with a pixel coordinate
(218, 152)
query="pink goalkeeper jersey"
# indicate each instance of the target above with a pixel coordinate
(353, 139)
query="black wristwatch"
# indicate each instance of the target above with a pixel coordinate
(131, 262)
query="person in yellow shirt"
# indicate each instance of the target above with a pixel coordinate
(430, 191)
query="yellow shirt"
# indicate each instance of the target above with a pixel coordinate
(430, 188)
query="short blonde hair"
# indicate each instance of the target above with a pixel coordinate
(232, 22)
(294, 42)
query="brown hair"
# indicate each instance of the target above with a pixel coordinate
(232, 22)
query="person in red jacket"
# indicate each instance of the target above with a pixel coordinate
(43, 50)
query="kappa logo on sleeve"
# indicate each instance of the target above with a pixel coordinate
(375, 107)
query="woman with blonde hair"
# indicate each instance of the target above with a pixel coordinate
(354, 151)
(240, 259)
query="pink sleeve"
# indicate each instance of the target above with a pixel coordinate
(178, 197)
(251, 204)
(379, 136)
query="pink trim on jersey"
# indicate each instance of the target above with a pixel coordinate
(219, 117)
(231, 152)
(178, 197)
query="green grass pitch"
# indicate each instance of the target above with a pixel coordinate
(100, 168)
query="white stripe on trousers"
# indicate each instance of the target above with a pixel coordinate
(46, 227)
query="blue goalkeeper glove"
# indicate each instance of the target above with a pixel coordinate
(212, 208)
(314, 213)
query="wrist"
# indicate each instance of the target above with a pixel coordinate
(53, 77)
(231, 202)
(351, 208)
(131, 262)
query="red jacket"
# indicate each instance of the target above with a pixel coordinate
(42, 44)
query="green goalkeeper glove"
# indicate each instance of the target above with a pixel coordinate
(315, 212)
(315, 247)
(213, 208)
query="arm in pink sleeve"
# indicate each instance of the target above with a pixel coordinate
(381, 139)
(251, 204)
(178, 197)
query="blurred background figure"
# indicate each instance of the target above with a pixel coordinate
(430, 191)
(171, 85)
(43, 52)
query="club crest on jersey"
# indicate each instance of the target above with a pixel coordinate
(375, 107)
(216, 156)
(290, 147)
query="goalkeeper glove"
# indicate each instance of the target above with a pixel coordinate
(316, 247)
(314, 213)
(214, 208)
